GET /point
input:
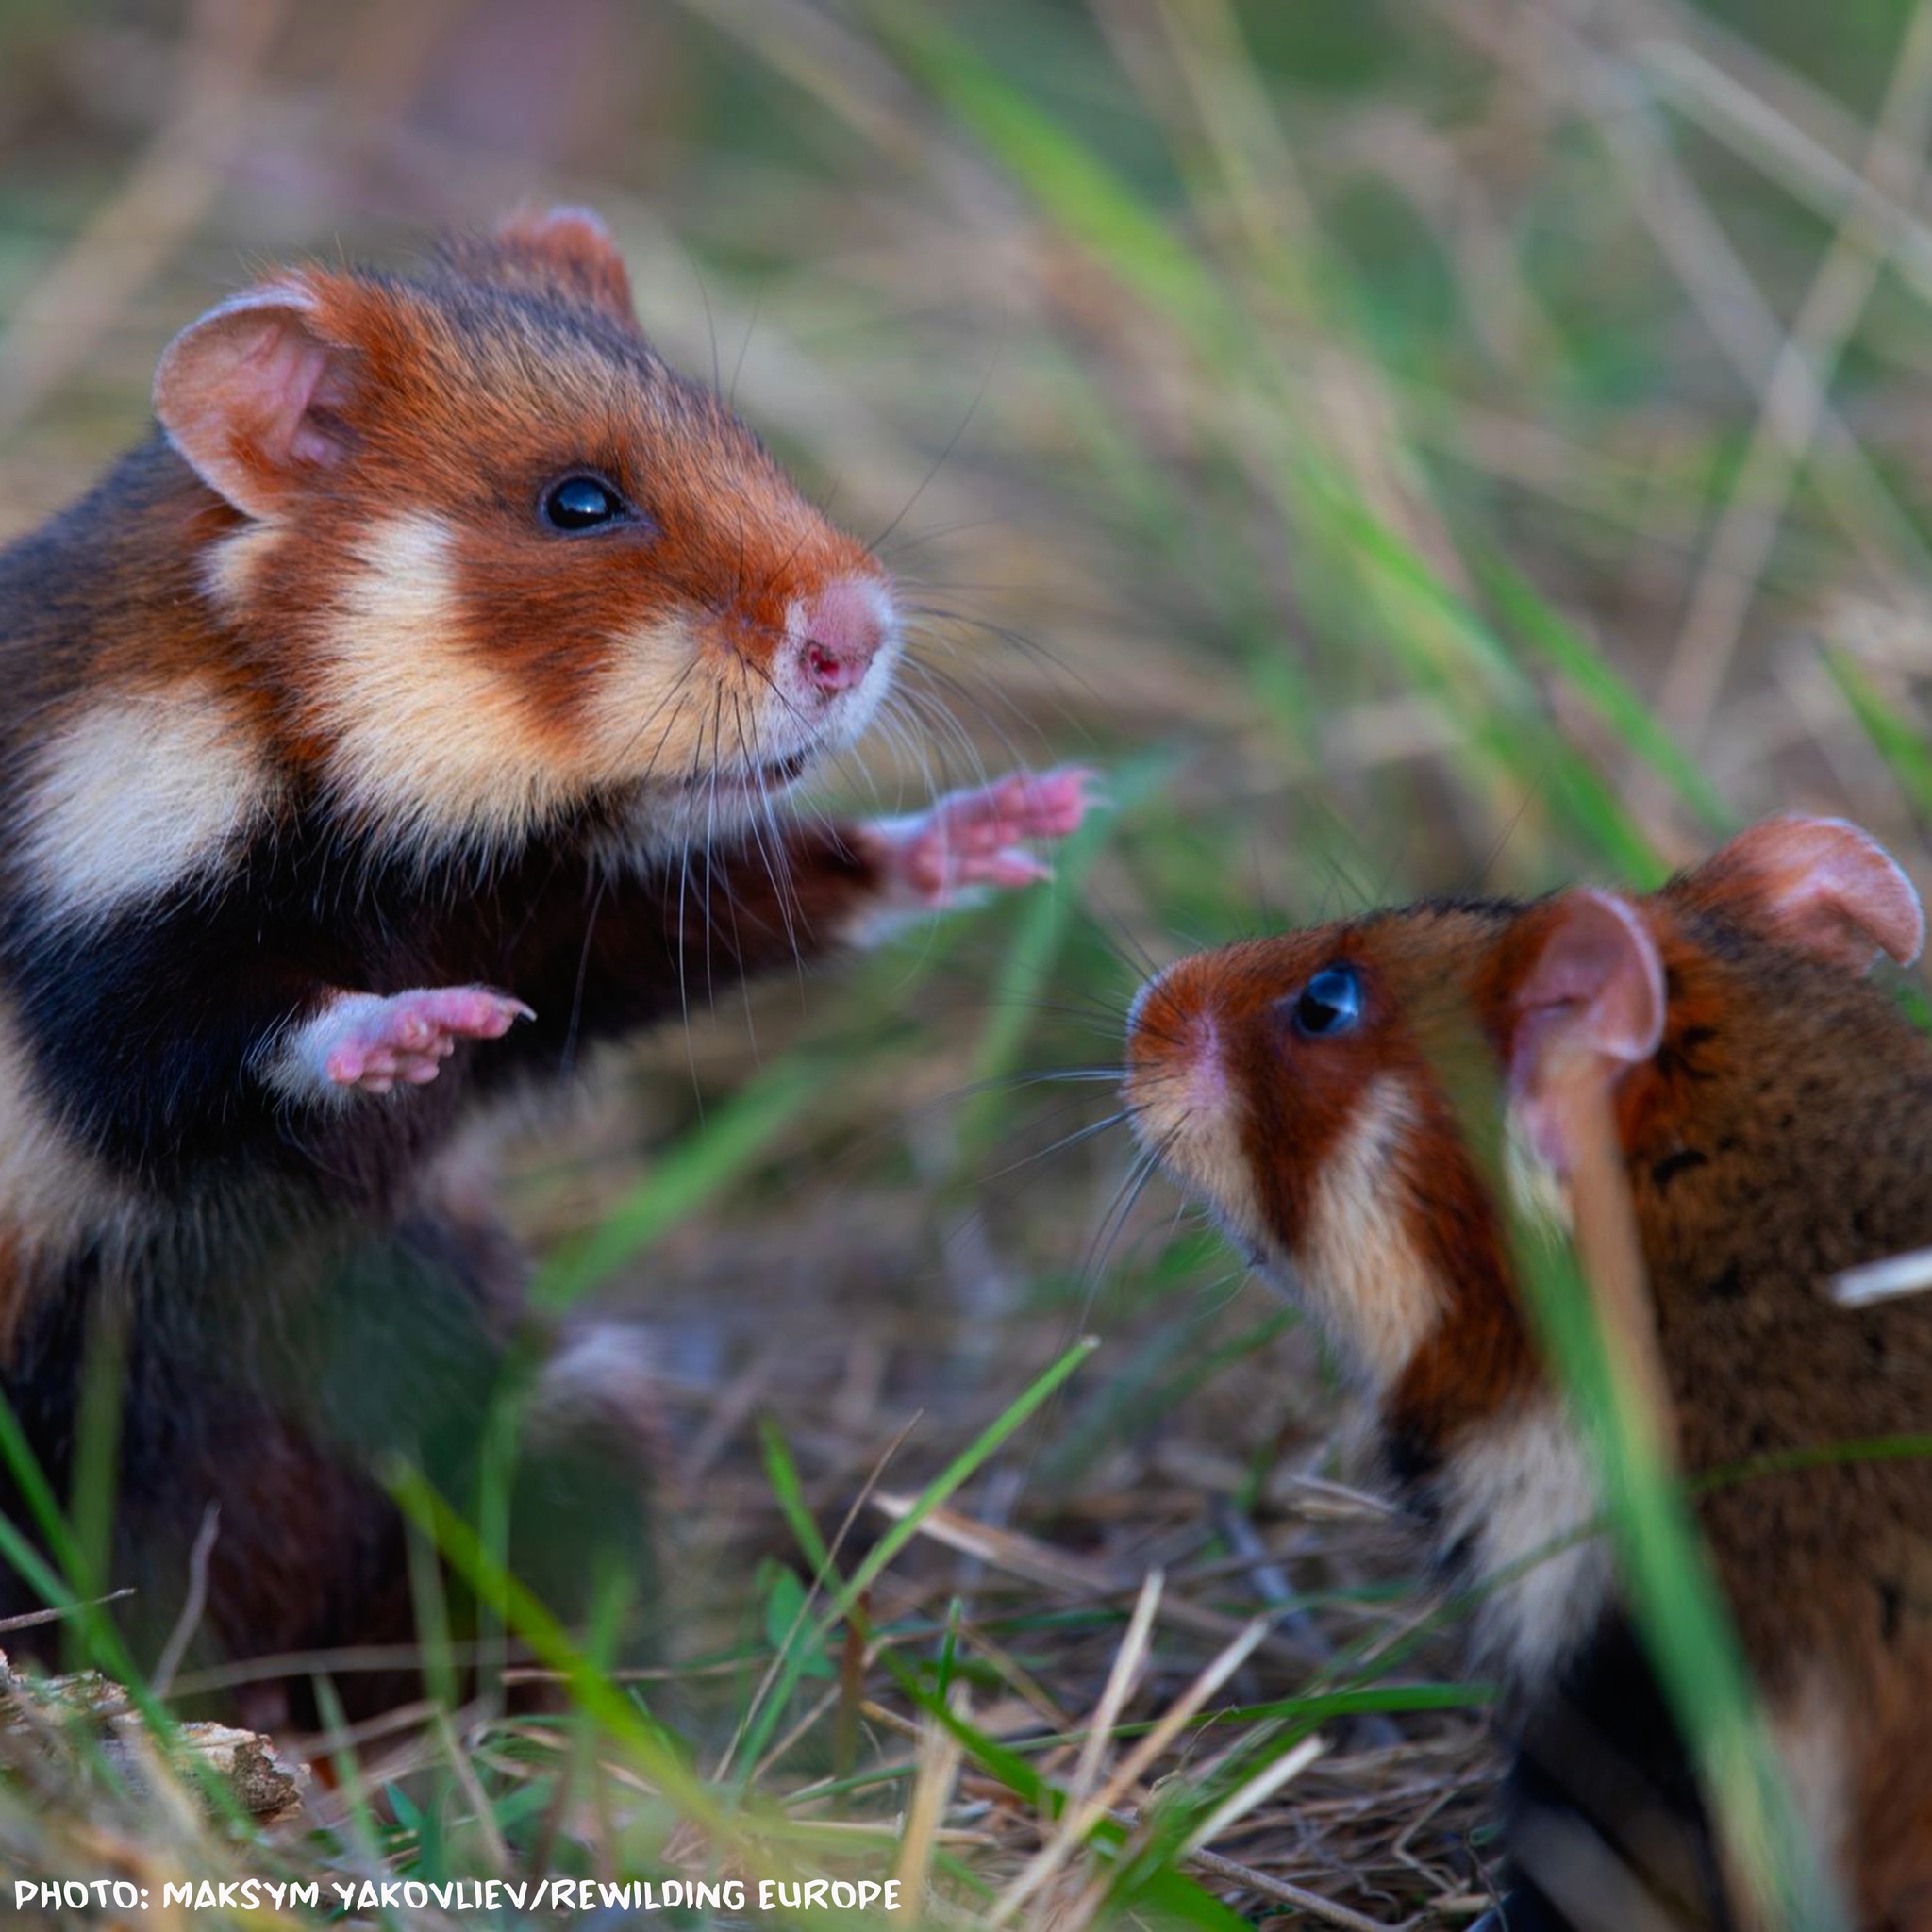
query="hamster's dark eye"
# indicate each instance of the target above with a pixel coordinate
(1331, 1003)
(581, 503)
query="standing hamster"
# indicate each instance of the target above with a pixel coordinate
(414, 705)
(1775, 1114)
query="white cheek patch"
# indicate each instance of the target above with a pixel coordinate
(1188, 1114)
(660, 718)
(1357, 1267)
(139, 793)
(1205, 1153)
(426, 735)
(1516, 1493)
(671, 710)
(432, 741)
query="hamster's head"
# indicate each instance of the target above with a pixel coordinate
(1317, 1090)
(1296, 1085)
(503, 567)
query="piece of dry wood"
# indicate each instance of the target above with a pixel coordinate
(245, 1764)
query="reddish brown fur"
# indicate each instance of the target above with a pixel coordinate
(314, 708)
(1299, 1096)
(1782, 1132)
(455, 397)
(447, 416)
(545, 249)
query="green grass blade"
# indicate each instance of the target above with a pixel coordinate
(811, 1642)
(1041, 931)
(590, 1690)
(1678, 1608)
(1901, 748)
(1587, 672)
(692, 1171)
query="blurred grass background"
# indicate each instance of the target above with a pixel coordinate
(1411, 444)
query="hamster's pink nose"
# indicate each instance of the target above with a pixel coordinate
(842, 627)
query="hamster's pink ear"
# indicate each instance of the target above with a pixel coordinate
(1822, 885)
(249, 394)
(1590, 1005)
(572, 248)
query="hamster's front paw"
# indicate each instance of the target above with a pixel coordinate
(370, 1043)
(939, 858)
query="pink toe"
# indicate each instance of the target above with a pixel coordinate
(983, 835)
(1058, 801)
